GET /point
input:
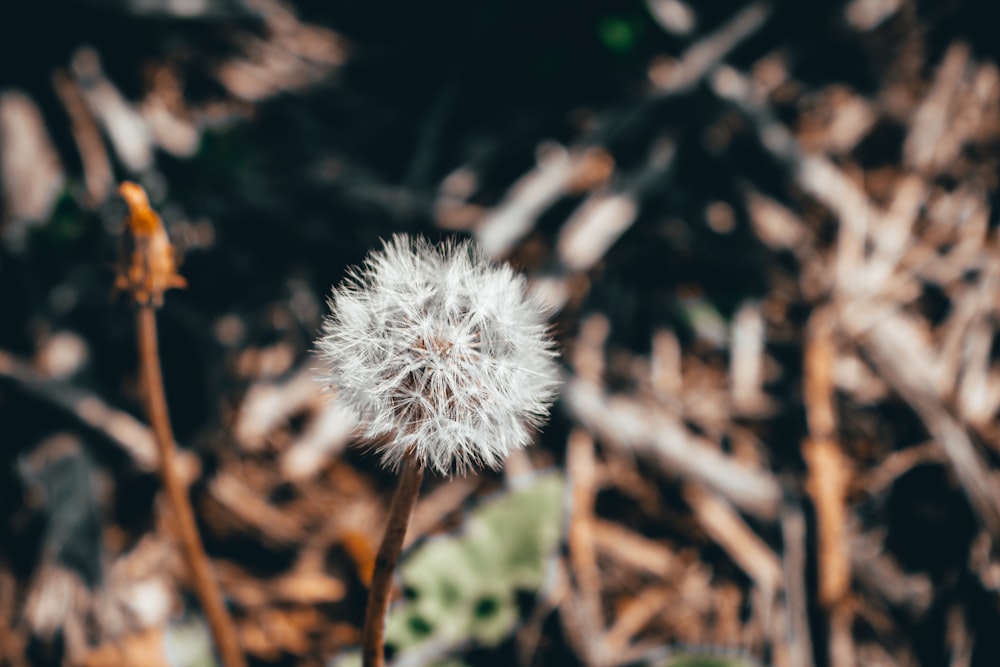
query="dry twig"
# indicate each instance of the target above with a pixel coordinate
(625, 423)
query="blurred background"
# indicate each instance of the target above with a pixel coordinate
(768, 233)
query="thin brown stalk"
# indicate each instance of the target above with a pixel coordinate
(400, 510)
(207, 589)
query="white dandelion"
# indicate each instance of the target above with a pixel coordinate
(441, 352)
(445, 357)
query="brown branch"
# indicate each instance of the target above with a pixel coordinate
(400, 510)
(146, 270)
(586, 596)
(794, 636)
(219, 621)
(629, 425)
(122, 429)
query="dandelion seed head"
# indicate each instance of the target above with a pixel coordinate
(441, 352)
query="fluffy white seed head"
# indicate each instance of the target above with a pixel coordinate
(441, 352)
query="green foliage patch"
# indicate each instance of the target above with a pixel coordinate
(463, 587)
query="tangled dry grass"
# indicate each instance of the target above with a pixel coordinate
(774, 258)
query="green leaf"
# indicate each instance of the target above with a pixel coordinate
(188, 643)
(617, 34)
(463, 586)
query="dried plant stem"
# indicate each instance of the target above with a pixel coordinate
(400, 510)
(219, 621)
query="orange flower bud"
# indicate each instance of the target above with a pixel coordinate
(147, 267)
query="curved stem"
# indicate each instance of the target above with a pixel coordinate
(219, 621)
(403, 502)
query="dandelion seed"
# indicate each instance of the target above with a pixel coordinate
(445, 357)
(442, 353)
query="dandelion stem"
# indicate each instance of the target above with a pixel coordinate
(219, 621)
(400, 509)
